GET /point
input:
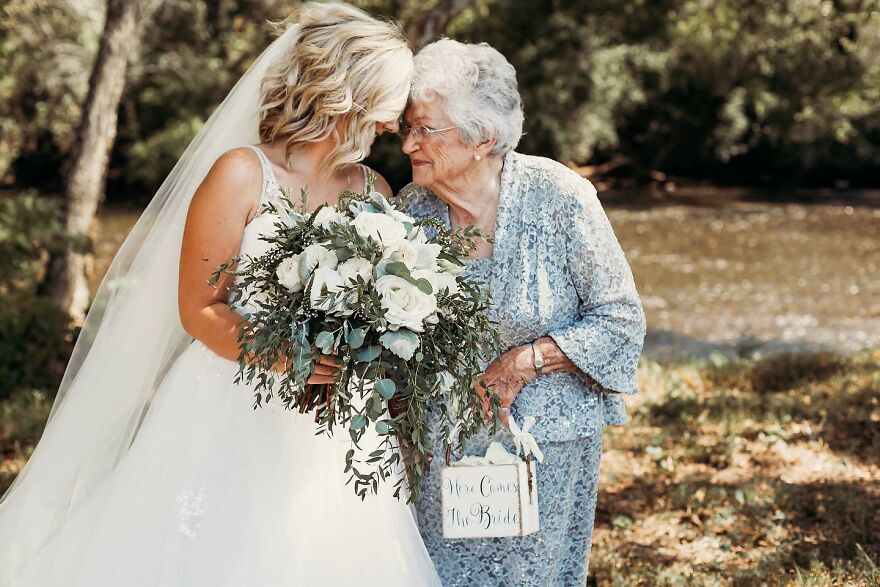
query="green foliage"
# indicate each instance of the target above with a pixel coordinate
(194, 53)
(34, 333)
(22, 418)
(695, 87)
(393, 360)
(31, 228)
(34, 343)
(747, 90)
(46, 53)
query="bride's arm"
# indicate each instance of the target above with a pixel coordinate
(217, 215)
(220, 209)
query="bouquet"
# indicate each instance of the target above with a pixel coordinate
(363, 282)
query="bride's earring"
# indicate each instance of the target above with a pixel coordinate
(478, 157)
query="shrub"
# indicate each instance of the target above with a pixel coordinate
(34, 334)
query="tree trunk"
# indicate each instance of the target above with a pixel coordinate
(433, 23)
(67, 281)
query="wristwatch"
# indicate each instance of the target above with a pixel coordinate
(538, 358)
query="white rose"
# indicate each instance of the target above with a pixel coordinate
(400, 216)
(405, 305)
(388, 207)
(448, 266)
(404, 252)
(314, 256)
(328, 215)
(349, 270)
(428, 256)
(380, 227)
(324, 281)
(288, 274)
(438, 281)
(417, 235)
(414, 255)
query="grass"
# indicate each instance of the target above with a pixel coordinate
(22, 418)
(745, 473)
(735, 473)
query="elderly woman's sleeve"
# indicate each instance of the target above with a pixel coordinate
(606, 339)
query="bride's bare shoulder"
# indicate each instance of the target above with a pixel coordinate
(239, 166)
(234, 180)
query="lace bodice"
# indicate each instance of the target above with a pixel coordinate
(262, 224)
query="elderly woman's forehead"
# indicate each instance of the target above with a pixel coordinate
(422, 110)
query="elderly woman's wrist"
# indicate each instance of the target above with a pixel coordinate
(525, 362)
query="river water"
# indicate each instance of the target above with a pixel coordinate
(728, 272)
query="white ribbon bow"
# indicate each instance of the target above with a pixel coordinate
(497, 455)
(523, 439)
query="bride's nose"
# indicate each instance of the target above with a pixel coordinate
(391, 127)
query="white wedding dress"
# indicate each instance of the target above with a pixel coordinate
(213, 493)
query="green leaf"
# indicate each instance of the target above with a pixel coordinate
(382, 427)
(366, 355)
(386, 388)
(358, 422)
(324, 341)
(424, 286)
(356, 337)
(402, 343)
(399, 269)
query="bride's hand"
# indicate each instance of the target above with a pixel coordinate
(323, 372)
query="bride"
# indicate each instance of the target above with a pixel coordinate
(154, 469)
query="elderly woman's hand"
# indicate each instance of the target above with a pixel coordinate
(506, 376)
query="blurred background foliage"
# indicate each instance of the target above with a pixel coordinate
(748, 92)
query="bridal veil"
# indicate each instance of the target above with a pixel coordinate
(130, 338)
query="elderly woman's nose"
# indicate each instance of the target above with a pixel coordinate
(410, 145)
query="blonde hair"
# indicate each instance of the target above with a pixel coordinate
(342, 63)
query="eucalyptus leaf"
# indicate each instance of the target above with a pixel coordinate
(386, 388)
(399, 269)
(368, 354)
(356, 337)
(324, 341)
(402, 342)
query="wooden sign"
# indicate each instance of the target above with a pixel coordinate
(489, 501)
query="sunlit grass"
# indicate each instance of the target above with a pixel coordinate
(745, 473)
(740, 473)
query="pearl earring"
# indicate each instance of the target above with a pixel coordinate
(477, 157)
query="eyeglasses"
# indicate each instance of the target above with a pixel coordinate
(420, 131)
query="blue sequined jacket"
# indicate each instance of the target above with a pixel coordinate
(558, 270)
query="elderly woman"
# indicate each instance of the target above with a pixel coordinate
(563, 295)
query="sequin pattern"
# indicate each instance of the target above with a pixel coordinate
(557, 269)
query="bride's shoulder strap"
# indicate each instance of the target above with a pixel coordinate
(369, 178)
(270, 183)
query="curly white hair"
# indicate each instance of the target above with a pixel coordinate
(477, 87)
